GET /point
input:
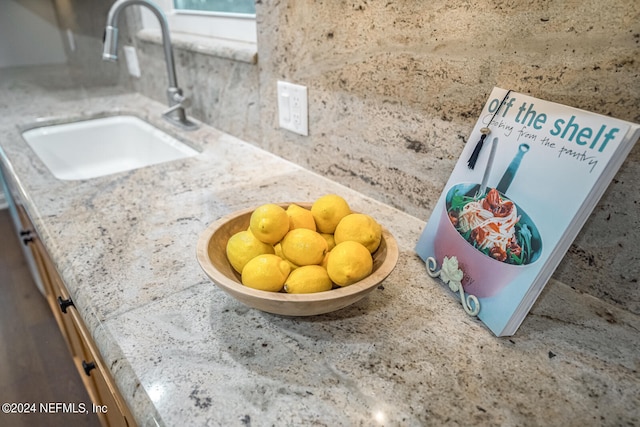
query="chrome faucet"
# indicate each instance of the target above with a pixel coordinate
(177, 101)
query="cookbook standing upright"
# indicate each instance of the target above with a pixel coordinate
(522, 189)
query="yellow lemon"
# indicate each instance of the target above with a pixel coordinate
(242, 247)
(328, 210)
(349, 262)
(302, 246)
(331, 241)
(300, 217)
(360, 228)
(278, 249)
(269, 223)
(266, 272)
(308, 279)
(325, 260)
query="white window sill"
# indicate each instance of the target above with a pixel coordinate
(222, 48)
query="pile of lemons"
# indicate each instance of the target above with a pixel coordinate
(299, 250)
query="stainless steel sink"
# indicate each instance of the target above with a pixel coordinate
(98, 147)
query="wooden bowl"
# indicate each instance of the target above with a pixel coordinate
(211, 253)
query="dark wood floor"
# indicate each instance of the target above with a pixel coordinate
(35, 364)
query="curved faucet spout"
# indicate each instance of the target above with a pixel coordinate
(176, 113)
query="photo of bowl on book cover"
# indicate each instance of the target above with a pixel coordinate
(527, 180)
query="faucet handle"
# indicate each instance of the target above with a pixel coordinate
(172, 109)
(176, 95)
(176, 114)
(182, 100)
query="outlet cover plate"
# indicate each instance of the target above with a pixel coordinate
(132, 60)
(293, 112)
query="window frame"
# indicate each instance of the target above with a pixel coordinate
(232, 26)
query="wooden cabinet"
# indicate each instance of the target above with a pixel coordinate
(108, 403)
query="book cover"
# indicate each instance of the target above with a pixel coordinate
(518, 196)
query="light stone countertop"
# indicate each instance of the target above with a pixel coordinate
(183, 352)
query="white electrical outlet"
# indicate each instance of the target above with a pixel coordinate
(292, 108)
(132, 60)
